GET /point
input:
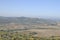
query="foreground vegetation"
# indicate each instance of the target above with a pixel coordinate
(8, 35)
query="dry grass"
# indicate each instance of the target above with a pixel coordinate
(44, 32)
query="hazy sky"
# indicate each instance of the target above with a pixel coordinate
(30, 8)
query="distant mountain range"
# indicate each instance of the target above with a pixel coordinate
(27, 23)
(27, 20)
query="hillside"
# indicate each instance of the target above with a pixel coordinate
(25, 20)
(27, 23)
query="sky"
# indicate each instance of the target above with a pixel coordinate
(30, 8)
